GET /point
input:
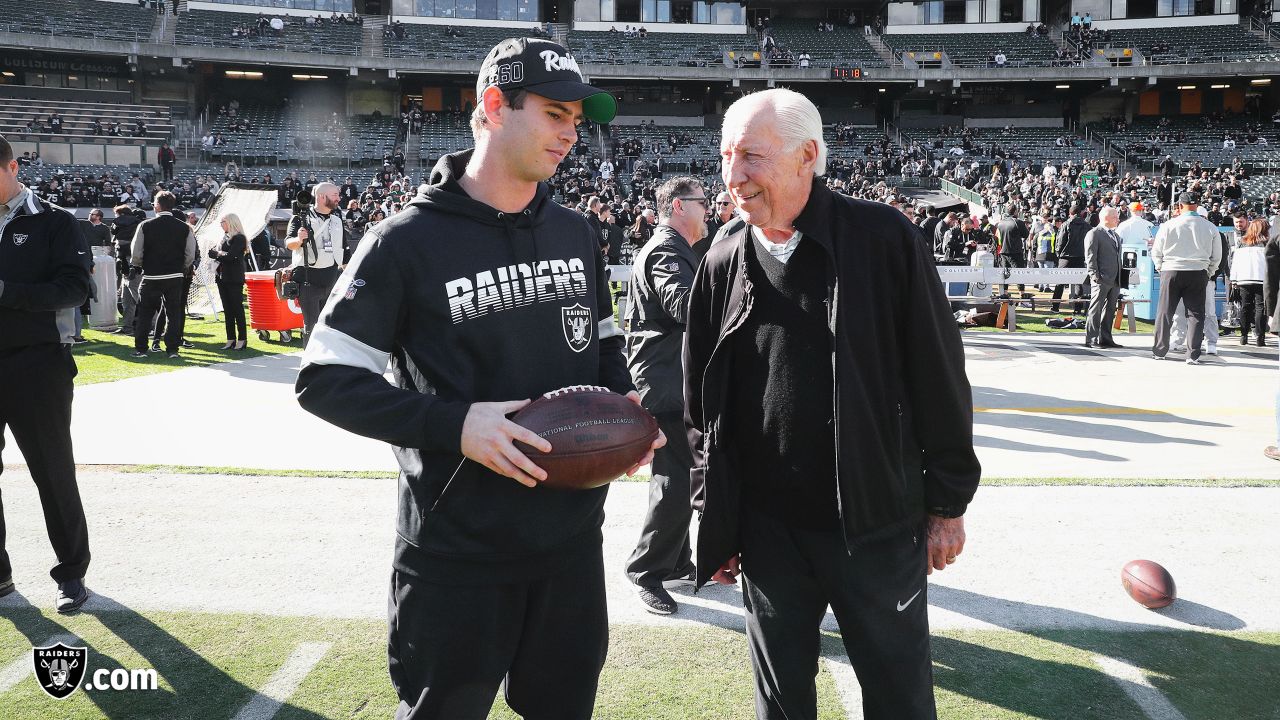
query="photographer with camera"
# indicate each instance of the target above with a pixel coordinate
(321, 248)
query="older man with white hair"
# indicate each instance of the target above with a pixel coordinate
(833, 445)
(1102, 259)
(321, 247)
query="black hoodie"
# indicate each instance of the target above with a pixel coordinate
(468, 304)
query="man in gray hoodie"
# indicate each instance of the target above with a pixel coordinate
(1185, 249)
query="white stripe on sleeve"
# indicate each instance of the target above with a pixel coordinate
(334, 347)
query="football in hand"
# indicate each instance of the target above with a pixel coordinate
(595, 435)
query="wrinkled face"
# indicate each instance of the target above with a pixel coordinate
(767, 180)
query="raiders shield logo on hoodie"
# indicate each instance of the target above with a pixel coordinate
(577, 326)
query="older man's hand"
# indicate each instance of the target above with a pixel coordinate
(945, 541)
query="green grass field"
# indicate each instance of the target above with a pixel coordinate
(211, 665)
(106, 356)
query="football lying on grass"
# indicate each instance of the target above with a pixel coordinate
(1148, 583)
(595, 435)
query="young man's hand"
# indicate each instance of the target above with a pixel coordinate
(488, 438)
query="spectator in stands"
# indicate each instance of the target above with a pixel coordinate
(1000, 58)
(805, 59)
(1087, 21)
(55, 122)
(140, 128)
(167, 160)
(205, 195)
(1076, 21)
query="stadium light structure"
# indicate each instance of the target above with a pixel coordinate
(1062, 87)
(244, 74)
(1260, 81)
(1186, 87)
(310, 77)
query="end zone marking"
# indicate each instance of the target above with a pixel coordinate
(284, 683)
(20, 669)
(847, 687)
(1135, 684)
(1087, 410)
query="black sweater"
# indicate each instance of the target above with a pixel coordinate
(468, 304)
(782, 434)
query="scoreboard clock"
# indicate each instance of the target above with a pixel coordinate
(846, 73)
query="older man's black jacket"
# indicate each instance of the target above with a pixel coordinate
(902, 404)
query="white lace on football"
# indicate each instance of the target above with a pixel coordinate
(574, 389)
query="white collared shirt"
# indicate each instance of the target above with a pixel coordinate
(780, 251)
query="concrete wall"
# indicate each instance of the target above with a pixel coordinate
(956, 28)
(1140, 23)
(687, 28)
(1042, 122)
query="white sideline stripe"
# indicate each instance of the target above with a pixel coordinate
(284, 682)
(1135, 684)
(18, 670)
(847, 687)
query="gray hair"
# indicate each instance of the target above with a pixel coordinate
(795, 116)
(1108, 210)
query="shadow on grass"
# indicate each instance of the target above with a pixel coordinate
(1204, 674)
(199, 688)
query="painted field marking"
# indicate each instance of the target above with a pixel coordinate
(284, 683)
(1135, 684)
(847, 687)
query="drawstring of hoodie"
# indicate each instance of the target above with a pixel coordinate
(508, 221)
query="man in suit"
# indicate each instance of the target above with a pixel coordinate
(1102, 258)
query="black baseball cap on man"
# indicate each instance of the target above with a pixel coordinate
(543, 68)
(1187, 198)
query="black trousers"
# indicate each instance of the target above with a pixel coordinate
(154, 293)
(1253, 310)
(878, 595)
(1077, 291)
(232, 296)
(450, 647)
(314, 292)
(663, 550)
(1187, 287)
(1011, 261)
(35, 403)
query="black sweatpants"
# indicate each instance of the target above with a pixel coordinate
(152, 294)
(1187, 287)
(35, 403)
(232, 296)
(663, 550)
(450, 647)
(1077, 291)
(314, 292)
(1253, 311)
(878, 595)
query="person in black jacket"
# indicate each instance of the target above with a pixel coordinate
(123, 228)
(657, 304)
(1071, 255)
(483, 293)
(833, 447)
(44, 274)
(231, 254)
(163, 250)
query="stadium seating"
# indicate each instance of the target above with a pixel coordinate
(1197, 44)
(1033, 145)
(704, 145)
(680, 49)
(79, 18)
(976, 49)
(362, 177)
(214, 27)
(843, 47)
(1203, 143)
(433, 43)
(283, 137)
(451, 133)
(77, 118)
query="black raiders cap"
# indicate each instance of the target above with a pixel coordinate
(543, 68)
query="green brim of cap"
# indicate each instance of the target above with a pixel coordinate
(601, 107)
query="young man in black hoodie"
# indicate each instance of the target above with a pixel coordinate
(468, 293)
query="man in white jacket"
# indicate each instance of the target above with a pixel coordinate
(1185, 249)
